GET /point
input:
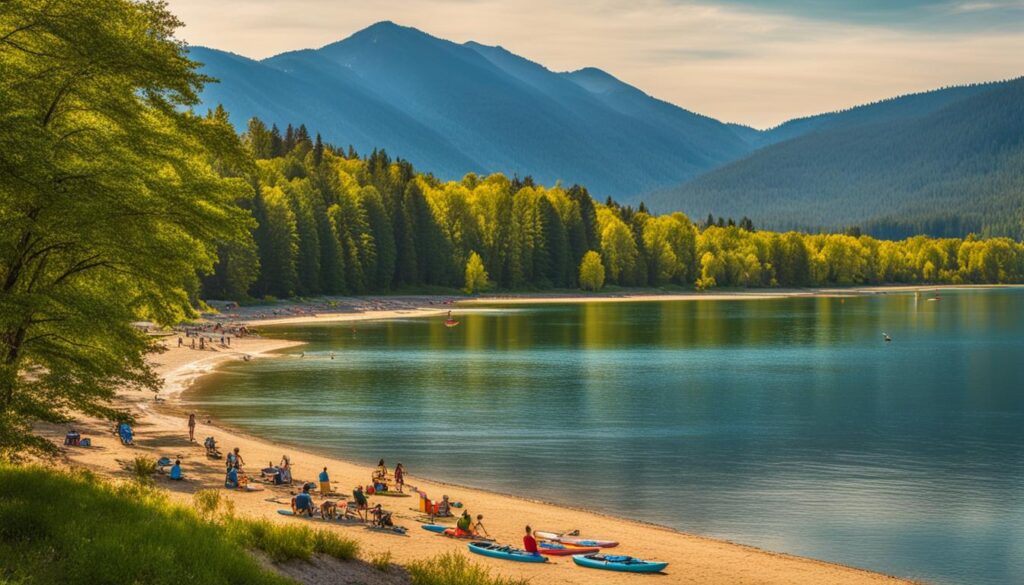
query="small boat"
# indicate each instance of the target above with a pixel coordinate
(436, 528)
(574, 541)
(489, 549)
(558, 549)
(886, 336)
(618, 563)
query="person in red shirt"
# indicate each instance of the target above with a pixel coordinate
(530, 543)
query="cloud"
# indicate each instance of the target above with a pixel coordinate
(730, 60)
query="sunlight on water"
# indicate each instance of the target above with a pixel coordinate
(786, 424)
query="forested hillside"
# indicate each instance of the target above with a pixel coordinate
(957, 170)
(330, 221)
(459, 108)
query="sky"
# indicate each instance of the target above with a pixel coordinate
(752, 62)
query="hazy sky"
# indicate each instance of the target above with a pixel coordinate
(747, 61)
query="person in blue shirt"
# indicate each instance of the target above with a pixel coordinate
(231, 481)
(176, 470)
(325, 483)
(303, 503)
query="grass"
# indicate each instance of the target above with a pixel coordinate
(142, 469)
(74, 528)
(382, 561)
(455, 569)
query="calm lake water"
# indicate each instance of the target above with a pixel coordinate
(786, 424)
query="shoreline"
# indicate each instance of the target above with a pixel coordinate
(694, 558)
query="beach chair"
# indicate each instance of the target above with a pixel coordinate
(124, 431)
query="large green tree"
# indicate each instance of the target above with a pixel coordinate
(110, 202)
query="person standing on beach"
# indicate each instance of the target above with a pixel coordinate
(181, 342)
(325, 482)
(192, 427)
(399, 477)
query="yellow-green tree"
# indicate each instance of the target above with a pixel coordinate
(591, 271)
(476, 274)
(113, 197)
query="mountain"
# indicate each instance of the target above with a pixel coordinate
(944, 163)
(457, 108)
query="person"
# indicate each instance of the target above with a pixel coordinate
(381, 518)
(176, 470)
(382, 471)
(464, 526)
(444, 509)
(193, 343)
(303, 503)
(361, 503)
(235, 459)
(530, 543)
(285, 469)
(231, 480)
(180, 341)
(325, 482)
(399, 477)
(192, 427)
(479, 526)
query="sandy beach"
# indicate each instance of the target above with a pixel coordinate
(162, 431)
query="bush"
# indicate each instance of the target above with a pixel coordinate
(455, 569)
(287, 542)
(142, 469)
(99, 532)
(208, 504)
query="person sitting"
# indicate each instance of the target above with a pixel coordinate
(381, 518)
(176, 470)
(271, 473)
(530, 543)
(303, 503)
(381, 472)
(211, 448)
(479, 526)
(231, 480)
(285, 470)
(463, 528)
(362, 505)
(444, 508)
(325, 482)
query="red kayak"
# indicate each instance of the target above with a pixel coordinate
(559, 550)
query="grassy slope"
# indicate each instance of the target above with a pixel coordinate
(74, 528)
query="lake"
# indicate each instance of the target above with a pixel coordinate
(787, 424)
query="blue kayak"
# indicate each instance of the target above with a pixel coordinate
(489, 549)
(434, 528)
(618, 563)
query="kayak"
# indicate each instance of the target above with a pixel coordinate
(560, 550)
(589, 543)
(434, 528)
(489, 549)
(618, 563)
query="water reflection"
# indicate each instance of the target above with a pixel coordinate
(787, 424)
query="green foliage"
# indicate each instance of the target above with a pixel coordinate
(283, 542)
(142, 469)
(113, 196)
(591, 271)
(476, 274)
(455, 569)
(72, 528)
(382, 561)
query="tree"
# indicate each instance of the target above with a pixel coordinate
(591, 271)
(476, 274)
(109, 200)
